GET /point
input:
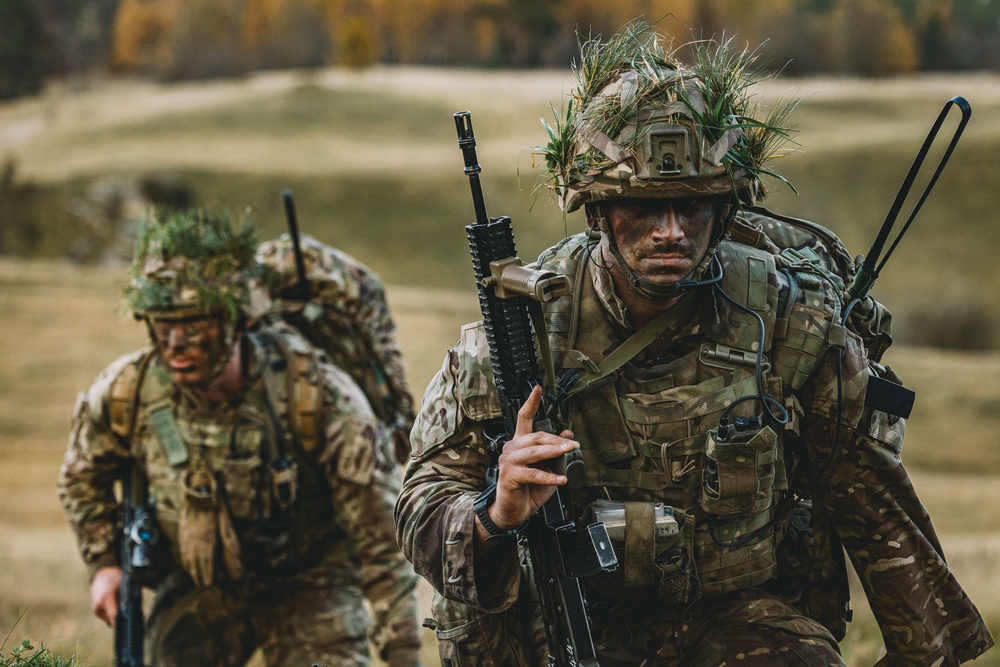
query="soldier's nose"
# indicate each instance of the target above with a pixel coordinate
(666, 225)
(176, 340)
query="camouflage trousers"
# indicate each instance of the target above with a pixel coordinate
(315, 616)
(748, 628)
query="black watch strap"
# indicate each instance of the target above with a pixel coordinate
(481, 506)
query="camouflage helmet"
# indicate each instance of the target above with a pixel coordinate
(642, 125)
(195, 262)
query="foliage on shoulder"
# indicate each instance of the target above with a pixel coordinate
(27, 655)
(198, 249)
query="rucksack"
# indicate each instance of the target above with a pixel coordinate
(344, 313)
(792, 240)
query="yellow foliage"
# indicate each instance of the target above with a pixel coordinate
(870, 37)
(140, 31)
(357, 49)
(600, 16)
(258, 18)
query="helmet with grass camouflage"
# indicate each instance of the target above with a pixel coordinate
(195, 263)
(642, 125)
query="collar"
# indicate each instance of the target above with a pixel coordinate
(706, 311)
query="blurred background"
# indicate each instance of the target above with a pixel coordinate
(108, 107)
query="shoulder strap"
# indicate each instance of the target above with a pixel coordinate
(636, 343)
(306, 399)
(301, 389)
(123, 398)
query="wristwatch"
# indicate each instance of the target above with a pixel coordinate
(480, 506)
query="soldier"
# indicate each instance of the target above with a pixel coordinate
(271, 479)
(726, 414)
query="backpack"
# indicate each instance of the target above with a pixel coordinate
(793, 241)
(345, 315)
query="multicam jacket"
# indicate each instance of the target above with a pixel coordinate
(295, 405)
(644, 435)
(346, 315)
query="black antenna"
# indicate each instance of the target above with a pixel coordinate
(869, 272)
(293, 231)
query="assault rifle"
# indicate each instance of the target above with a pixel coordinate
(510, 297)
(138, 537)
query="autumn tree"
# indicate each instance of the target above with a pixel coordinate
(142, 33)
(871, 38)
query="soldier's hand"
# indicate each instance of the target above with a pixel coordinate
(525, 481)
(104, 593)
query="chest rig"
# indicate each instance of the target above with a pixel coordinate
(699, 515)
(256, 457)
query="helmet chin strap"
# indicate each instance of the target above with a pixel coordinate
(708, 271)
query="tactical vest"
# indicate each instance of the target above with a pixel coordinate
(262, 452)
(644, 432)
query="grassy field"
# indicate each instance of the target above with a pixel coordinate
(375, 169)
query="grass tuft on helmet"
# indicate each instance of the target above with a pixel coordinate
(641, 124)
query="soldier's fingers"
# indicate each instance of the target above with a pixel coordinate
(542, 448)
(535, 439)
(524, 476)
(106, 610)
(526, 415)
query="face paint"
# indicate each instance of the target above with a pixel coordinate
(192, 349)
(663, 241)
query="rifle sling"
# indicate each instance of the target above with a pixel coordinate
(636, 343)
(538, 322)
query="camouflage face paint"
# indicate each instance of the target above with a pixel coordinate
(662, 241)
(192, 348)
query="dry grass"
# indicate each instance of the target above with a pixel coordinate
(62, 326)
(65, 329)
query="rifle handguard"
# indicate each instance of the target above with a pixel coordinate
(509, 279)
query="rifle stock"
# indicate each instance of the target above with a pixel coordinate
(509, 297)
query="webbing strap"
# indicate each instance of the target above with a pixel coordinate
(123, 397)
(683, 410)
(637, 342)
(640, 538)
(542, 336)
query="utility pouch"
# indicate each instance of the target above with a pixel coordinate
(674, 562)
(242, 477)
(198, 527)
(654, 542)
(738, 477)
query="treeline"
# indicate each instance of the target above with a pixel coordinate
(189, 39)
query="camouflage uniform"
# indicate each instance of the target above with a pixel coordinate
(752, 570)
(346, 314)
(643, 437)
(289, 526)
